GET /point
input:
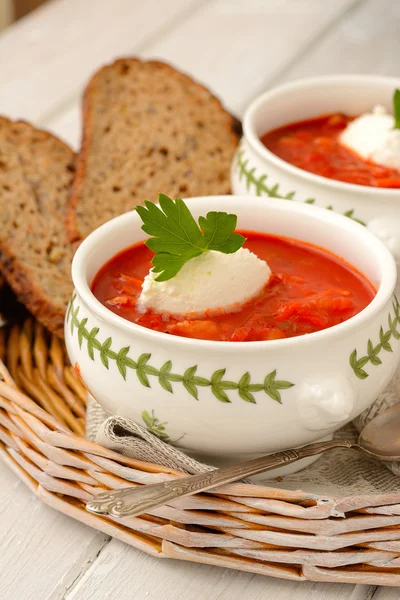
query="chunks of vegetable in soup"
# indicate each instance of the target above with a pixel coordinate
(309, 290)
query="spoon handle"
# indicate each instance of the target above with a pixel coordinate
(134, 501)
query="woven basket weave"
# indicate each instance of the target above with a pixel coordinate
(281, 533)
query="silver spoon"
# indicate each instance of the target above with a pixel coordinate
(379, 439)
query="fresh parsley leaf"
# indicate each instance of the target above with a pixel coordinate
(396, 109)
(173, 227)
(218, 228)
(168, 265)
(177, 237)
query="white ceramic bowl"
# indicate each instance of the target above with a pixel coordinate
(257, 171)
(226, 398)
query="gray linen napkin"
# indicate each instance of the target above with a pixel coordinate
(131, 439)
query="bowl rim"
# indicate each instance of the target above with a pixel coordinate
(386, 289)
(257, 146)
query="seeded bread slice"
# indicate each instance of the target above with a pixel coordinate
(36, 171)
(147, 129)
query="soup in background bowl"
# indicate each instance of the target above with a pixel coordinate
(317, 146)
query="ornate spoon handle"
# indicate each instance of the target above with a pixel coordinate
(134, 501)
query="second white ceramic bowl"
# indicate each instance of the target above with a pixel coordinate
(228, 398)
(257, 171)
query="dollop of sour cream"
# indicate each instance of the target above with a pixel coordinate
(372, 137)
(211, 283)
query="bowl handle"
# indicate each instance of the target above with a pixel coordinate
(388, 231)
(325, 402)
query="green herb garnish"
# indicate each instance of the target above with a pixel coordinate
(396, 109)
(177, 237)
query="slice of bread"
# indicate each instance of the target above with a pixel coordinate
(36, 171)
(147, 128)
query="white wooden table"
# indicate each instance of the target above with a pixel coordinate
(239, 48)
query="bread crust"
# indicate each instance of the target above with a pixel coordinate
(46, 134)
(234, 128)
(32, 297)
(16, 273)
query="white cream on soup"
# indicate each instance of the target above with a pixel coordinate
(210, 283)
(373, 137)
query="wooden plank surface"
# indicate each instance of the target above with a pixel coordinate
(233, 47)
(386, 594)
(238, 48)
(367, 41)
(47, 57)
(111, 574)
(41, 551)
(248, 43)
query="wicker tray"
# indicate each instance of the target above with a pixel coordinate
(281, 533)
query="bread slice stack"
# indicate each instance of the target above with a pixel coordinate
(147, 128)
(36, 172)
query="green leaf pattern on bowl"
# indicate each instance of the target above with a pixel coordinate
(259, 183)
(373, 350)
(157, 428)
(154, 426)
(190, 379)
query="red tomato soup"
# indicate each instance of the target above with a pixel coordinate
(313, 146)
(310, 290)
